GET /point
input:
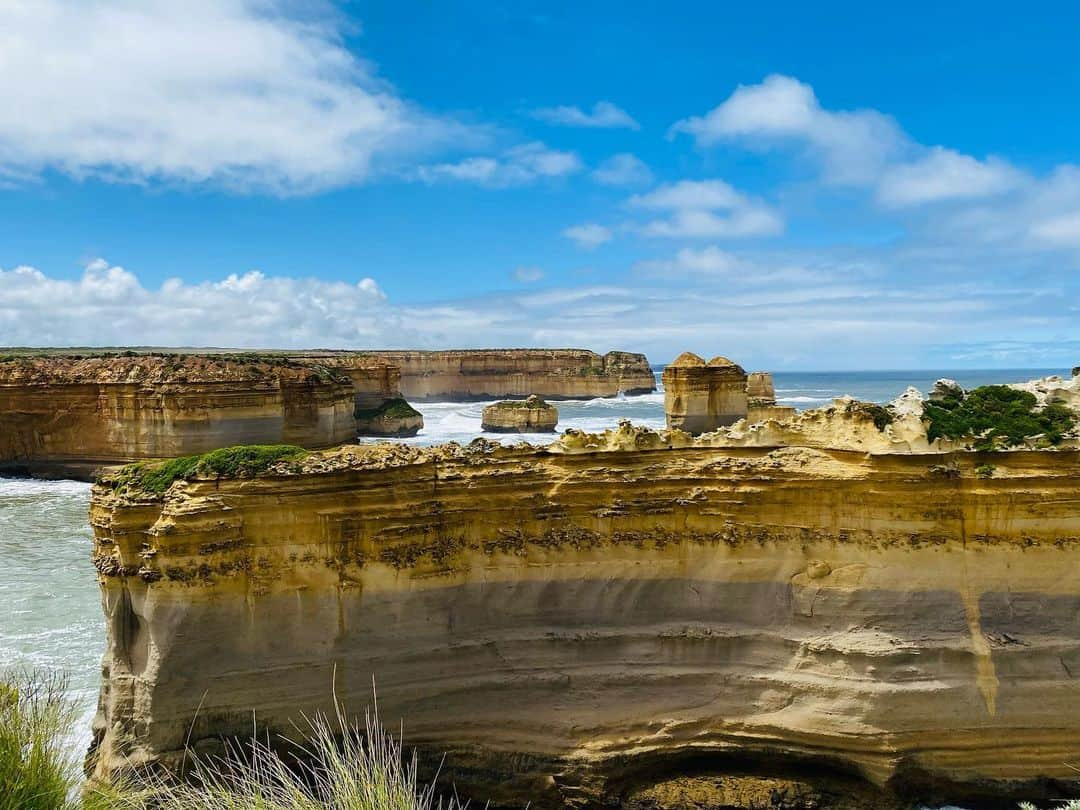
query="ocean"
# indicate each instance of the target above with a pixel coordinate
(48, 589)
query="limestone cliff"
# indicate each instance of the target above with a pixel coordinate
(493, 373)
(71, 415)
(381, 410)
(575, 622)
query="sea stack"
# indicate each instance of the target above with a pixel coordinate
(700, 397)
(761, 399)
(531, 415)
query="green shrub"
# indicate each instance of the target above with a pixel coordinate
(985, 470)
(882, 415)
(37, 769)
(996, 416)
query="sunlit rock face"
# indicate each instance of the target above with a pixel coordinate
(70, 416)
(760, 388)
(568, 622)
(530, 415)
(700, 397)
(381, 409)
(494, 373)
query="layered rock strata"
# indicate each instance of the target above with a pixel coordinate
(531, 415)
(72, 415)
(700, 397)
(471, 374)
(381, 409)
(571, 624)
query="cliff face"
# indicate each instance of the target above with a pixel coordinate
(380, 410)
(72, 415)
(566, 622)
(494, 373)
(531, 415)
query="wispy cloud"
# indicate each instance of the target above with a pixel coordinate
(623, 169)
(604, 115)
(588, 235)
(706, 209)
(516, 166)
(528, 275)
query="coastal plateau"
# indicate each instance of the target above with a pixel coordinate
(572, 625)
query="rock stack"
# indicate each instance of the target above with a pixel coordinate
(700, 397)
(531, 415)
(761, 399)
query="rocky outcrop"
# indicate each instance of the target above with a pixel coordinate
(381, 410)
(760, 389)
(72, 415)
(531, 415)
(700, 397)
(472, 374)
(582, 622)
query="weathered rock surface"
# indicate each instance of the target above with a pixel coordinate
(584, 621)
(491, 373)
(381, 410)
(72, 415)
(530, 415)
(760, 388)
(700, 397)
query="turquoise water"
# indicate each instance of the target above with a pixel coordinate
(48, 591)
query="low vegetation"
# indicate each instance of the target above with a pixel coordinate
(155, 477)
(349, 766)
(396, 408)
(997, 417)
(882, 415)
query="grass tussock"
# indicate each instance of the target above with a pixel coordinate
(155, 477)
(37, 771)
(345, 766)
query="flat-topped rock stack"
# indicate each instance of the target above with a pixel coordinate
(700, 397)
(531, 415)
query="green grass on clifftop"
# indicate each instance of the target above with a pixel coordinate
(155, 477)
(997, 416)
(391, 409)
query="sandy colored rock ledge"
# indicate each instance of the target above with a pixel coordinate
(565, 621)
(69, 415)
(530, 415)
(472, 374)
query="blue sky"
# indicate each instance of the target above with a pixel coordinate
(798, 186)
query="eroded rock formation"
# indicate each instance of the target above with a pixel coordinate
(700, 397)
(72, 415)
(570, 624)
(494, 373)
(530, 415)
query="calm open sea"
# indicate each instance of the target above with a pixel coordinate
(48, 593)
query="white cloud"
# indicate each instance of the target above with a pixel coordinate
(853, 145)
(818, 316)
(528, 275)
(1061, 230)
(945, 174)
(623, 169)
(604, 115)
(516, 166)
(244, 94)
(589, 235)
(693, 205)
(108, 305)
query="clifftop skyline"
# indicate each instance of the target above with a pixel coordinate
(833, 187)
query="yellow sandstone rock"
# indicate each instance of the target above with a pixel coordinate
(530, 415)
(563, 622)
(700, 397)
